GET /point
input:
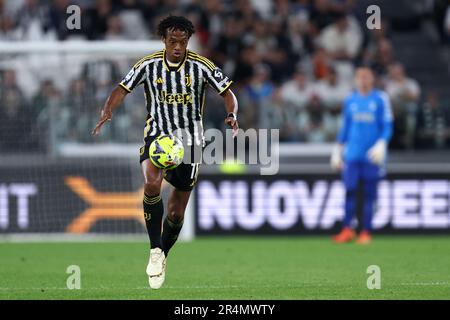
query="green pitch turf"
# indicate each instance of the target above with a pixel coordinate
(232, 268)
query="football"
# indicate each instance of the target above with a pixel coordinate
(166, 152)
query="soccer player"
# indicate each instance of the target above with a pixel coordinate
(174, 81)
(360, 151)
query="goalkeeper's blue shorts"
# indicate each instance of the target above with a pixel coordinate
(356, 171)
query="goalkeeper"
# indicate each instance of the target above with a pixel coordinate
(360, 151)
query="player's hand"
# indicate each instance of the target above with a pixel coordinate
(106, 116)
(336, 161)
(377, 154)
(231, 120)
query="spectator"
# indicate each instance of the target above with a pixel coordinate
(150, 9)
(280, 57)
(297, 92)
(312, 125)
(404, 93)
(342, 40)
(214, 24)
(257, 42)
(228, 44)
(33, 21)
(7, 30)
(433, 123)
(321, 64)
(98, 19)
(260, 37)
(9, 83)
(114, 29)
(298, 34)
(51, 116)
(382, 58)
(41, 100)
(322, 15)
(248, 57)
(16, 124)
(244, 10)
(296, 95)
(82, 112)
(447, 24)
(258, 91)
(373, 38)
(282, 117)
(331, 92)
(132, 20)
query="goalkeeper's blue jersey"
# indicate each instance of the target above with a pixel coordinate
(365, 119)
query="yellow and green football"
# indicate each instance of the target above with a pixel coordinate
(166, 152)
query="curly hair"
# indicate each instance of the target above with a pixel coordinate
(175, 23)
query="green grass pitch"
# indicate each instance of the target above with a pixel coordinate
(232, 268)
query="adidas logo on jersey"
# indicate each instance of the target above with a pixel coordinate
(159, 80)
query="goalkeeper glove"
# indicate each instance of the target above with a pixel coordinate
(336, 157)
(377, 154)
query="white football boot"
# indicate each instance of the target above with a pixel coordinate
(156, 268)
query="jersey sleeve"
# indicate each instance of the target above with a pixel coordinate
(342, 136)
(385, 117)
(217, 79)
(134, 77)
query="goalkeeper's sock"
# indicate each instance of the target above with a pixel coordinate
(171, 230)
(153, 214)
(350, 204)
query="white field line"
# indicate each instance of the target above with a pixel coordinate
(436, 283)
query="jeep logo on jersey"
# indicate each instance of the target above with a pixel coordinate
(170, 98)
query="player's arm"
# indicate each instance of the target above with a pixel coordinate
(377, 153)
(221, 83)
(338, 148)
(231, 106)
(133, 78)
(114, 100)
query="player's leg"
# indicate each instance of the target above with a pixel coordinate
(183, 178)
(153, 214)
(153, 206)
(173, 222)
(370, 178)
(350, 178)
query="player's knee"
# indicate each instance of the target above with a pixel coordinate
(370, 194)
(175, 215)
(152, 187)
(370, 190)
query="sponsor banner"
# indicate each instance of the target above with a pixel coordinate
(74, 198)
(106, 196)
(307, 204)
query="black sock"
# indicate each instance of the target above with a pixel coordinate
(153, 214)
(171, 230)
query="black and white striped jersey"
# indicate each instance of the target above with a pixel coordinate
(175, 95)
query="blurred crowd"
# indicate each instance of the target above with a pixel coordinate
(292, 63)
